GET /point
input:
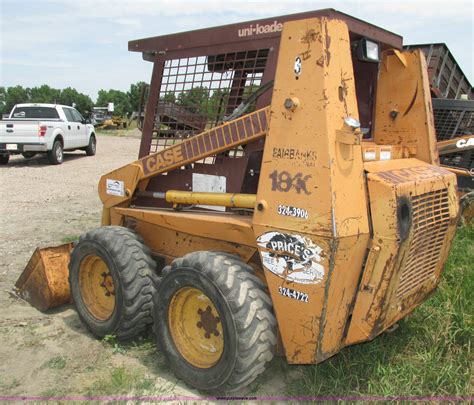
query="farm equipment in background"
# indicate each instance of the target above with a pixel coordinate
(101, 114)
(115, 122)
(453, 108)
(454, 121)
(104, 118)
(446, 78)
(315, 215)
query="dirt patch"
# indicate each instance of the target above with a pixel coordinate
(52, 354)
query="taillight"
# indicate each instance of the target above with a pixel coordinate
(42, 130)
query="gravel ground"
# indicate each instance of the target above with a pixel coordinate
(52, 354)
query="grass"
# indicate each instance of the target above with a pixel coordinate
(429, 354)
(6, 386)
(122, 381)
(70, 238)
(55, 363)
(111, 341)
(53, 393)
(120, 132)
(144, 343)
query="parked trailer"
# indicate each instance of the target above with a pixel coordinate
(446, 77)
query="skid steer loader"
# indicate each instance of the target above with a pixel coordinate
(281, 227)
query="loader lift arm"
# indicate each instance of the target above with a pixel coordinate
(458, 144)
(119, 186)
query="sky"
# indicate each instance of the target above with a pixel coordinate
(84, 43)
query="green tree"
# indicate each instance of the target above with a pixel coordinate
(195, 99)
(216, 107)
(169, 97)
(134, 95)
(44, 94)
(3, 101)
(82, 102)
(15, 95)
(119, 98)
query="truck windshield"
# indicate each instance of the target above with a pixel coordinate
(34, 112)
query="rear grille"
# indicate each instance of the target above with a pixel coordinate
(430, 223)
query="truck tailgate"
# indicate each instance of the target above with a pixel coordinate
(19, 132)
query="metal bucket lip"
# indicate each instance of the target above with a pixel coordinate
(42, 285)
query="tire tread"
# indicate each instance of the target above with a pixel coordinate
(137, 273)
(251, 308)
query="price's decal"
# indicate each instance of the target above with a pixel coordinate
(294, 258)
(294, 294)
(290, 211)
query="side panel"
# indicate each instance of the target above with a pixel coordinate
(172, 244)
(414, 213)
(173, 234)
(403, 112)
(311, 220)
(225, 227)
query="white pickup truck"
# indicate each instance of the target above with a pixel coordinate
(45, 128)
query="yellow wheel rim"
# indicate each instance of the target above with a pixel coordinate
(97, 287)
(196, 327)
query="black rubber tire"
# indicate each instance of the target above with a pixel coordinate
(28, 155)
(56, 155)
(92, 147)
(134, 274)
(245, 310)
(4, 159)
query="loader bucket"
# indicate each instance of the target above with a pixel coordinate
(44, 282)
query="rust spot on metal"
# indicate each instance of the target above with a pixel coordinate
(208, 322)
(328, 45)
(322, 324)
(306, 54)
(412, 102)
(342, 91)
(310, 36)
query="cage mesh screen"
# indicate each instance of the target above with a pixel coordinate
(197, 93)
(462, 160)
(452, 122)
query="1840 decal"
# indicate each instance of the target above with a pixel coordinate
(285, 181)
(295, 294)
(290, 211)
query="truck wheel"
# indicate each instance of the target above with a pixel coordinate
(112, 279)
(214, 321)
(55, 155)
(92, 147)
(4, 159)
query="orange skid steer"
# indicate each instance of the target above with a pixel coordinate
(282, 224)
